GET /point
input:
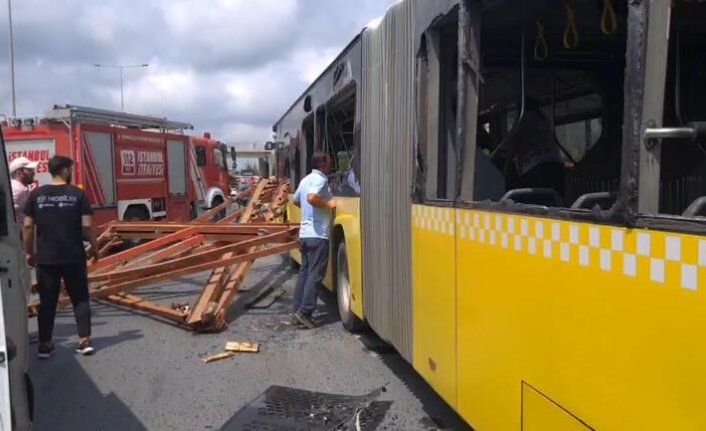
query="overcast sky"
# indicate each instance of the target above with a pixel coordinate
(231, 67)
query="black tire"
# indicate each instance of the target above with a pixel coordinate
(293, 264)
(350, 321)
(221, 214)
(193, 212)
(135, 213)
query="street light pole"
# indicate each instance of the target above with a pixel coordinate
(122, 95)
(12, 60)
(121, 68)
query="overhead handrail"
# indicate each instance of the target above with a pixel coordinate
(571, 33)
(609, 19)
(541, 51)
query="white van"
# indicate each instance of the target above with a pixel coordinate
(15, 385)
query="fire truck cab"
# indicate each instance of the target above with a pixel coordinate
(133, 167)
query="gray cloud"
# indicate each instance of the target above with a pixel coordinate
(231, 67)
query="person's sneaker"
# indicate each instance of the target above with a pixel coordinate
(84, 347)
(45, 350)
(305, 320)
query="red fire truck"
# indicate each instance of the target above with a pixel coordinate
(132, 167)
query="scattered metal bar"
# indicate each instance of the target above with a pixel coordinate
(228, 247)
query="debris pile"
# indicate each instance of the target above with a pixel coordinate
(226, 246)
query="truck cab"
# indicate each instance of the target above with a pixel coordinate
(212, 162)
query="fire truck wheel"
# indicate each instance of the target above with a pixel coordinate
(218, 201)
(136, 213)
(193, 212)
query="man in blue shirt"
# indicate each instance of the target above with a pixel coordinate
(314, 198)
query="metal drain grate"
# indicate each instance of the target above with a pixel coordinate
(288, 409)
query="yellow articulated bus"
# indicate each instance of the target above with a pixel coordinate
(522, 215)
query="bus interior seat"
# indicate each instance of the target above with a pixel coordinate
(546, 175)
(588, 201)
(697, 208)
(533, 196)
(489, 183)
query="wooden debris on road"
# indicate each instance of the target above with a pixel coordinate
(244, 347)
(217, 357)
(227, 247)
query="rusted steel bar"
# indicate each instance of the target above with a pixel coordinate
(279, 198)
(228, 247)
(221, 237)
(141, 304)
(217, 303)
(214, 289)
(210, 293)
(142, 248)
(105, 249)
(218, 321)
(133, 284)
(105, 234)
(165, 253)
(207, 217)
(250, 208)
(211, 228)
(231, 217)
(195, 259)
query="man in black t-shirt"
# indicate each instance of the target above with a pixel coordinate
(61, 216)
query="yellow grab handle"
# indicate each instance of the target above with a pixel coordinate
(541, 51)
(609, 20)
(571, 34)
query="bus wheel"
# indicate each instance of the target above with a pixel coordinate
(350, 321)
(293, 264)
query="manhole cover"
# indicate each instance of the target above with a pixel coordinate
(289, 409)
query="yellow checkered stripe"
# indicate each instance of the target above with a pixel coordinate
(439, 220)
(660, 257)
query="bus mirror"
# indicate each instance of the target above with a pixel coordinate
(233, 154)
(269, 146)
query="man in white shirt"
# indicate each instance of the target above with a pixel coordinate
(314, 198)
(22, 174)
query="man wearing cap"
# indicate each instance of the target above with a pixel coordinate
(22, 174)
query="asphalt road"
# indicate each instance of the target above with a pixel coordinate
(146, 375)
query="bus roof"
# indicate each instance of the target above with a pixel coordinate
(321, 75)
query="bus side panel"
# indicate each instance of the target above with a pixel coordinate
(348, 217)
(605, 322)
(294, 215)
(434, 298)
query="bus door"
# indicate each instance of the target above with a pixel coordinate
(5, 412)
(435, 220)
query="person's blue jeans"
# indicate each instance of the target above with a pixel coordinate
(314, 263)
